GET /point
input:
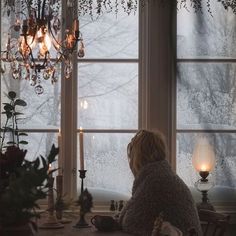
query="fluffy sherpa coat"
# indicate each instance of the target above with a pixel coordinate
(158, 189)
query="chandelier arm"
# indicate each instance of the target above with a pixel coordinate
(45, 58)
(30, 52)
(43, 8)
(51, 32)
(39, 5)
(20, 13)
(63, 48)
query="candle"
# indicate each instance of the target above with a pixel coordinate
(81, 145)
(60, 153)
(49, 170)
(76, 25)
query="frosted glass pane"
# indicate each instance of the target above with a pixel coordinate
(224, 174)
(108, 96)
(202, 35)
(39, 144)
(106, 162)
(42, 111)
(110, 36)
(206, 96)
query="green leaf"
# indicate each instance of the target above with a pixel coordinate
(18, 113)
(10, 142)
(8, 107)
(12, 94)
(20, 102)
(36, 163)
(8, 114)
(53, 153)
(23, 142)
(23, 134)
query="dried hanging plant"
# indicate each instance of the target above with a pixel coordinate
(198, 4)
(98, 7)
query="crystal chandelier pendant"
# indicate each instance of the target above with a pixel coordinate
(38, 89)
(38, 31)
(68, 69)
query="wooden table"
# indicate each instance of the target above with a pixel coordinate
(69, 230)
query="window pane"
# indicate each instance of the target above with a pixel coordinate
(224, 174)
(202, 35)
(42, 111)
(108, 96)
(206, 96)
(106, 163)
(39, 144)
(110, 36)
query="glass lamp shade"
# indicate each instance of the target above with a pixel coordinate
(203, 156)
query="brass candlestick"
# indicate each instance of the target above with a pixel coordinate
(82, 222)
(51, 222)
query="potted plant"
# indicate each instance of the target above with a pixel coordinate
(22, 182)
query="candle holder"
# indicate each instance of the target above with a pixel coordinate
(82, 221)
(51, 222)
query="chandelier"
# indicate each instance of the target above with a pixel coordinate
(37, 50)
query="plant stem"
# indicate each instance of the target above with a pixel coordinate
(4, 134)
(13, 121)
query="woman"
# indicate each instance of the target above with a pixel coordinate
(156, 189)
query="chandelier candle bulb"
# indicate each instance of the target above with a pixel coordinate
(60, 152)
(81, 145)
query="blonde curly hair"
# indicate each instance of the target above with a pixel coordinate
(146, 147)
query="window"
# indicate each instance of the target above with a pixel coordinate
(206, 91)
(41, 118)
(108, 100)
(101, 97)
